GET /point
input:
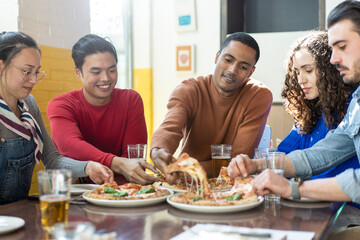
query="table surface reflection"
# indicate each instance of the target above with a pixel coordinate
(162, 221)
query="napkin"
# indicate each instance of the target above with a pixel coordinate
(226, 232)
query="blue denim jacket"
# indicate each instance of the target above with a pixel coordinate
(339, 145)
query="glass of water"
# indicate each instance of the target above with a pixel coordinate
(275, 161)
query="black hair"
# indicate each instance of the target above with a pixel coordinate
(244, 38)
(91, 44)
(11, 43)
(346, 10)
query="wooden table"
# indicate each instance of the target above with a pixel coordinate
(162, 221)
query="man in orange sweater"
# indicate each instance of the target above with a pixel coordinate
(226, 107)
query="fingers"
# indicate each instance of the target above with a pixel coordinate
(237, 166)
(146, 165)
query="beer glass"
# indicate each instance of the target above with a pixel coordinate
(54, 191)
(220, 157)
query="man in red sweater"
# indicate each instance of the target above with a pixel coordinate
(99, 121)
(226, 107)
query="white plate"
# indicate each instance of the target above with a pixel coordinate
(291, 203)
(304, 199)
(81, 188)
(125, 203)
(174, 190)
(8, 224)
(215, 209)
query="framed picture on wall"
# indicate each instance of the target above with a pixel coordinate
(185, 58)
(185, 17)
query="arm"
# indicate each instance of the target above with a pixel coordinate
(66, 133)
(53, 160)
(323, 189)
(166, 139)
(251, 125)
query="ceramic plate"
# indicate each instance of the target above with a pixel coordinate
(8, 224)
(215, 209)
(77, 189)
(303, 199)
(125, 203)
(291, 203)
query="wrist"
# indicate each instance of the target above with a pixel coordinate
(295, 187)
(152, 151)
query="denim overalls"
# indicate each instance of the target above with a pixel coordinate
(17, 163)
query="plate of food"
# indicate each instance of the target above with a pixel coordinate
(126, 195)
(205, 200)
(77, 189)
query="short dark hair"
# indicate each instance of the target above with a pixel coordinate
(346, 10)
(11, 43)
(91, 44)
(244, 38)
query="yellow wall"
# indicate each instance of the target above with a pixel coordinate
(60, 78)
(143, 85)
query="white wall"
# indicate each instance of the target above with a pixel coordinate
(206, 39)
(9, 15)
(271, 67)
(56, 23)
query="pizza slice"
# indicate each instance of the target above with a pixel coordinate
(190, 166)
(223, 182)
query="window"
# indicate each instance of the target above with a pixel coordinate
(112, 19)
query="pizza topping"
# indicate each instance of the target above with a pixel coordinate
(197, 198)
(119, 194)
(146, 190)
(109, 190)
(234, 197)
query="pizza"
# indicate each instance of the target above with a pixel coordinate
(222, 183)
(240, 193)
(191, 167)
(128, 191)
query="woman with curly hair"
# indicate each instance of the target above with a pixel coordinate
(315, 96)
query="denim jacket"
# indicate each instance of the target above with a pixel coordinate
(339, 145)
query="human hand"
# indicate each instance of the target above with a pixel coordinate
(271, 182)
(241, 165)
(133, 170)
(99, 173)
(161, 158)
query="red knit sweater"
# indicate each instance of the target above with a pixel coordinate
(200, 116)
(83, 131)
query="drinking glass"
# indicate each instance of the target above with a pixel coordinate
(220, 157)
(275, 161)
(73, 230)
(137, 151)
(54, 191)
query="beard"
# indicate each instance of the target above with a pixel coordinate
(355, 78)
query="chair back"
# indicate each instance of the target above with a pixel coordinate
(265, 141)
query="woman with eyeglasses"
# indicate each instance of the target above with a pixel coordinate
(24, 140)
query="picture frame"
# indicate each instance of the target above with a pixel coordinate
(185, 15)
(185, 58)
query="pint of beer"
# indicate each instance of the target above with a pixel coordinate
(220, 157)
(54, 190)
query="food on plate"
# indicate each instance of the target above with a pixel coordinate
(222, 183)
(128, 191)
(240, 193)
(192, 168)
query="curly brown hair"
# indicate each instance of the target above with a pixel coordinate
(333, 92)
